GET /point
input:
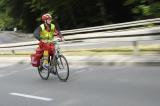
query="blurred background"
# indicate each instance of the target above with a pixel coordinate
(109, 25)
(25, 14)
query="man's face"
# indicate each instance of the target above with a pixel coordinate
(48, 21)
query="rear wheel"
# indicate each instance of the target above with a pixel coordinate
(62, 68)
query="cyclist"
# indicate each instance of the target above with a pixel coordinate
(45, 33)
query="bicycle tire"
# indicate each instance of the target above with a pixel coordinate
(40, 71)
(60, 62)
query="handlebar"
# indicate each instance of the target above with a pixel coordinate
(53, 41)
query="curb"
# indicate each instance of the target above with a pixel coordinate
(105, 63)
(115, 63)
(83, 60)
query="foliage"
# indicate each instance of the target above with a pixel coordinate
(26, 14)
(144, 8)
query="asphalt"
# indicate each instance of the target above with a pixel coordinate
(96, 60)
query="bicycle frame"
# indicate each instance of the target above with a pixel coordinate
(57, 64)
(57, 50)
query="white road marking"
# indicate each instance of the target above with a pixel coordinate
(8, 74)
(31, 96)
(13, 72)
(1, 75)
(83, 70)
(6, 64)
(29, 69)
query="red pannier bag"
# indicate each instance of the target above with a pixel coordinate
(35, 60)
(39, 51)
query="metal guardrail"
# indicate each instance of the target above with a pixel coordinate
(112, 26)
(147, 33)
(11, 45)
(104, 32)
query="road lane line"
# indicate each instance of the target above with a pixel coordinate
(82, 70)
(2, 75)
(2, 65)
(29, 68)
(79, 71)
(31, 96)
(8, 74)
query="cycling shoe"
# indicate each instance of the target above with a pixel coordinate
(46, 66)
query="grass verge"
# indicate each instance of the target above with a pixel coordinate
(151, 49)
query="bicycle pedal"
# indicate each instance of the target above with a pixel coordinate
(54, 73)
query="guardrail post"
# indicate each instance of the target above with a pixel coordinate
(14, 29)
(13, 52)
(135, 48)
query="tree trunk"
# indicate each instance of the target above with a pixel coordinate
(102, 11)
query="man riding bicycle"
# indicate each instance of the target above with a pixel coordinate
(45, 33)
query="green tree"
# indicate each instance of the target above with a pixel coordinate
(144, 8)
(6, 22)
(26, 14)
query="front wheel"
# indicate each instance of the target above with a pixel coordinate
(62, 68)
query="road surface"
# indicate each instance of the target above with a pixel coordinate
(87, 86)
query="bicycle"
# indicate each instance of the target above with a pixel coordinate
(58, 65)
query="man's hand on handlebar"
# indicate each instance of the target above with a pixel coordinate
(59, 39)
